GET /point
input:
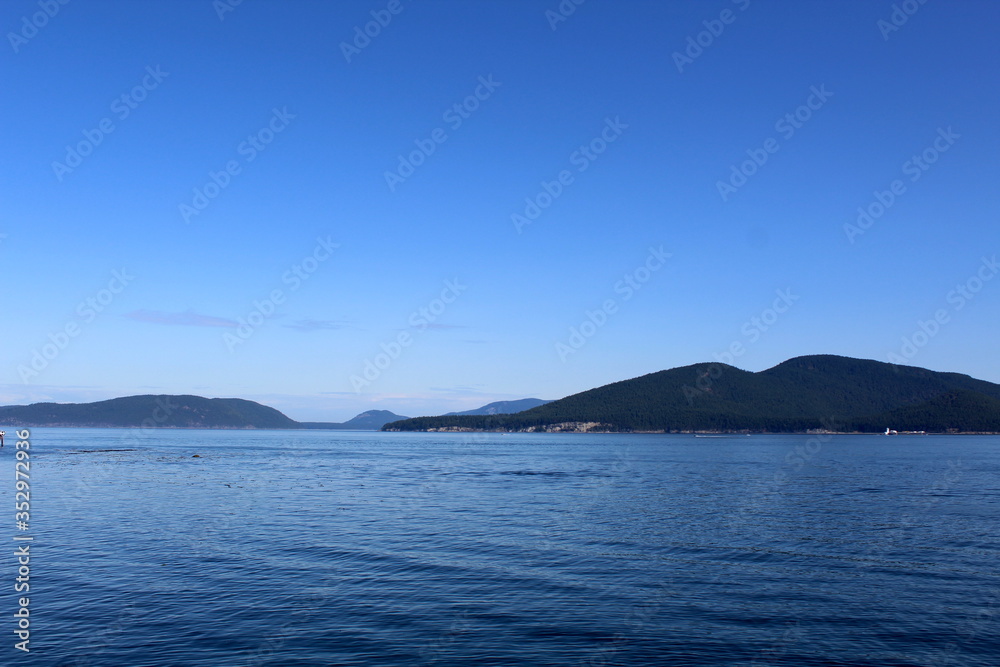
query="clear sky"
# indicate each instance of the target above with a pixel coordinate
(456, 190)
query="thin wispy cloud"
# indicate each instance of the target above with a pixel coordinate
(21, 394)
(188, 318)
(317, 325)
(439, 326)
(463, 390)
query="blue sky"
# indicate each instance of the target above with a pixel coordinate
(681, 213)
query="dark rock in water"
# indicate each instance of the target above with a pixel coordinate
(93, 451)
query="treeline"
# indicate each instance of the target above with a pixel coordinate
(150, 411)
(816, 392)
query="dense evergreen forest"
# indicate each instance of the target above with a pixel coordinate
(815, 392)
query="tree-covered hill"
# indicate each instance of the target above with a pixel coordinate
(814, 392)
(168, 411)
(150, 411)
(961, 411)
(504, 407)
(372, 420)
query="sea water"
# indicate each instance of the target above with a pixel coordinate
(213, 548)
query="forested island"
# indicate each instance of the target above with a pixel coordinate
(821, 392)
(176, 411)
(813, 393)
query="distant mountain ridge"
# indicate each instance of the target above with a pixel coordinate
(813, 392)
(150, 411)
(169, 411)
(372, 420)
(503, 407)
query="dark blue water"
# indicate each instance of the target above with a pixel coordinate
(325, 548)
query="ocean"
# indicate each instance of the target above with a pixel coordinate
(252, 548)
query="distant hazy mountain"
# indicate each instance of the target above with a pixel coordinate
(150, 411)
(175, 412)
(814, 392)
(503, 407)
(372, 420)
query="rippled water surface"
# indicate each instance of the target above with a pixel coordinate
(345, 548)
